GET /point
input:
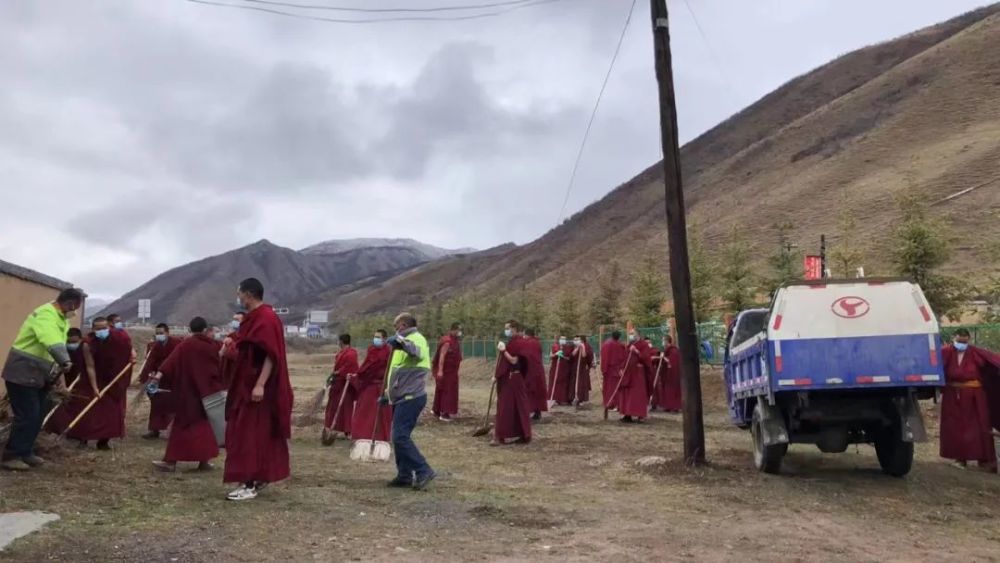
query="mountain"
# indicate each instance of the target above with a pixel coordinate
(291, 279)
(919, 114)
(337, 246)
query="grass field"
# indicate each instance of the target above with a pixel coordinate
(572, 494)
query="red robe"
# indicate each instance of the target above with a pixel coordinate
(160, 405)
(67, 410)
(613, 354)
(667, 392)
(446, 388)
(368, 386)
(538, 398)
(106, 419)
(559, 374)
(193, 370)
(970, 404)
(513, 411)
(344, 363)
(257, 433)
(633, 397)
(581, 362)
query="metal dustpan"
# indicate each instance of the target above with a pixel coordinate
(371, 450)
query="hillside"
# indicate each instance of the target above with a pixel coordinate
(343, 245)
(919, 114)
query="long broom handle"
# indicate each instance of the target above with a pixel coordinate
(576, 388)
(489, 405)
(555, 381)
(340, 403)
(55, 408)
(656, 380)
(93, 401)
(144, 360)
(378, 408)
(621, 376)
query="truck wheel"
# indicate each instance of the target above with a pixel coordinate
(765, 458)
(894, 455)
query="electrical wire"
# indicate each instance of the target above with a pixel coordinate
(494, 13)
(593, 114)
(390, 10)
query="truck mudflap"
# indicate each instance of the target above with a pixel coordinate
(772, 424)
(912, 421)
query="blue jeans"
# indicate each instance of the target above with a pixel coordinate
(28, 404)
(410, 463)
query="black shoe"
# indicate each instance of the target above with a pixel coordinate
(536, 416)
(422, 482)
(151, 435)
(399, 483)
(627, 419)
(103, 445)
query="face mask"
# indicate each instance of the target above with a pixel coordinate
(161, 338)
(633, 337)
(459, 334)
(562, 341)
(377, 342)
(72, 346)
(70, 314)
(102, 334)
(238, 302)
(234, 324)
(119, 325)
(508, 332)
(576, 341)
(218, 336)
(961, 346)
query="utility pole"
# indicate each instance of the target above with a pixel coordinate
(680, 271)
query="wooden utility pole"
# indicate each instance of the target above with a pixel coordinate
(680, 271)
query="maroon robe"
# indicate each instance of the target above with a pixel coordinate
(194, 373)
(559, 374)
(368, 386)
(160, 404)
(613, 354)
(633, 396)
(257, 433)
(581, 362)
(513, 411)
(106, 419)
(667, 392)
(970, 404)
(68, 409)
(446, 387)
(538, 399)
(344, 363)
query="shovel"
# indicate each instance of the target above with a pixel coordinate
(486, 427)
(374, 449)
(555, 383)
(329, 436)
(621, 376)
(656, 380)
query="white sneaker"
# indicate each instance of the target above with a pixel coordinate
(242, 493)
(444, 419)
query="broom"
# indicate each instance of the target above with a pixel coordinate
(555, 382)
(576, 388)
(656, 380)
(329, 436)
(621, 376)
(308, 417)
(59, 404)
(137, 400)
(486, 427)
(374, 449)
(93, 401)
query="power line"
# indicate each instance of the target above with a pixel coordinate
(732, 88)
(529, 4)
(593, 114)
(390, 10)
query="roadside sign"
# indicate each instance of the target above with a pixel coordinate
(145, 309)
(813, 267)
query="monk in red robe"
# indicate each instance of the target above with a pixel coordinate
(259, 403)
(160, 408)
(447, 360)
(513, 422)
(667, 391)
(581, 362)
(538, 399)
(560, 359)
(633, 395)
(66, 411)
(970, 403)
(193, 371)
(368, 386)
(340, 401)
(111, 352)
(613, 355)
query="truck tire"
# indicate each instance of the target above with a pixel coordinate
(894, 455)
(765, 458)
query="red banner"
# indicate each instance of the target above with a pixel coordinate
(813, 267)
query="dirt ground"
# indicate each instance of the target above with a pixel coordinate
(574, 493)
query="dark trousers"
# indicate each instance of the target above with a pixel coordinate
(409, 461)
(28, 404)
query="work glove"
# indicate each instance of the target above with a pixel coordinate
(66, 367)
(330, 379)
(396, 341)
(560, 354)
(501, 346)
(383, 400)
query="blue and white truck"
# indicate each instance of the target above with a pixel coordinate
(835, 363)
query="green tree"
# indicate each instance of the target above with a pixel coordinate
(567, 315)
(786, 262)
(605, 308)
(736, 281)
(703, 272)
(846, 256)
(648, 294)
(919, 249)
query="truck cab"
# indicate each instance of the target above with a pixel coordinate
(834, 363)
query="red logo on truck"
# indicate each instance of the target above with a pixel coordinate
(850, 307)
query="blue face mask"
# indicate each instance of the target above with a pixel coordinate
(378, 342)
(102, 334)
(508, 332)
(961, 346)
(119, 325)
(161, 338)
(234, 324)
(72, 346)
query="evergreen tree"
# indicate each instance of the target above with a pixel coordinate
(703, 272)
(567, 315)
(846, 256)
(604, 308)
(786, 262)
(648, 295)
(736, 282)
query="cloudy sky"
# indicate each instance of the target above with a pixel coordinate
(137, 135)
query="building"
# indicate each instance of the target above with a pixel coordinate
(21, 291)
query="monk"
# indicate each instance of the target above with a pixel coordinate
(447, 360)
(666, 367)
(259, 403)
(581, 362)
(513, 422)
(193, 372)
(367, 384)
(633, 396)
(112, 354)
(160, 408)
(613, 355)
(71, 406)
(560, 359)
(538, 399)
(970, 403)
(340, 401)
